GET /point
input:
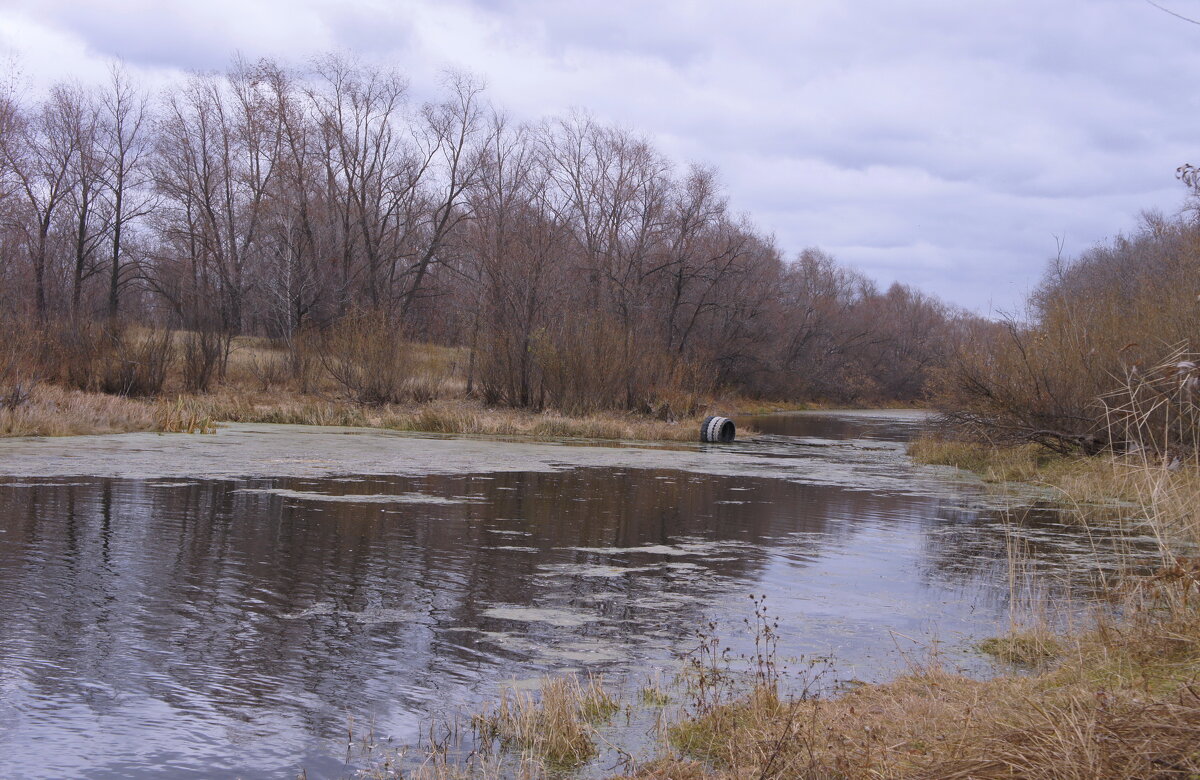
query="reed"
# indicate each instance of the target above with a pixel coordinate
(557, 725)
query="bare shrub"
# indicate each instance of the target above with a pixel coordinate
(365, 353)
(75, 354)
(304, 358)
(1099, 360)
(18, 369)
(109, 357)
(139, 363)
(269, 368)
(592, 365)
(1008, 383)
(202, 354)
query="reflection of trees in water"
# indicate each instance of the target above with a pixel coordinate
(896, 428)
(177, 592)
(188, 582)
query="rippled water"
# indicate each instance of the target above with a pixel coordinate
(220, 606)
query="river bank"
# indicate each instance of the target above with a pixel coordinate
(54, 411)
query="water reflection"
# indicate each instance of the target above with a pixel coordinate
(226, 628)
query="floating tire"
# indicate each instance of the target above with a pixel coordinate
(717, 430)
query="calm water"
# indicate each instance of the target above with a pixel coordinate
(154, 623)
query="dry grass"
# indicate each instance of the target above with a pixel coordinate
(267, 382)
(556, 727)
(935, 724)
(182, 417)
(54, 411)
(994, 464)
(1024, 647)
(455, 416)
(1123, 702)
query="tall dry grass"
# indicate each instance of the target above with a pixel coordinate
(555, 726)
(1119, 699)
(54, 411)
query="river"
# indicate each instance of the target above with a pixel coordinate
(222, 606)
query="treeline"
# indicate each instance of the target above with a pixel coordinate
(1102, 360)
(322, 205)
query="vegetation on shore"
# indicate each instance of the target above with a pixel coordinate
(258, 387)
(1117, 699)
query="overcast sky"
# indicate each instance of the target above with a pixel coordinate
(942, 143)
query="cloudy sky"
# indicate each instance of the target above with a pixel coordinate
(944, 143)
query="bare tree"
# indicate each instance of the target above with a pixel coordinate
(42, 152)
(125, 150)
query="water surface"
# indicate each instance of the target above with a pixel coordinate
(220, 606)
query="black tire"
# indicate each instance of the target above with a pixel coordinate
(716, 430)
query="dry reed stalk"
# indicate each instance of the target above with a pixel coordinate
(557, 726)
(183, 417)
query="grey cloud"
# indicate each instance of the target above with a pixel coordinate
(944, 144)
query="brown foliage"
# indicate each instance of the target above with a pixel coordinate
(1106, 334)
(202, 353)
(108, 358)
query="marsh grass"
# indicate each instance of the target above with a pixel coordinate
(55, 411)
(654, 693)
(556, 725)
(1029, 648)
(183, 416)
(994, 464)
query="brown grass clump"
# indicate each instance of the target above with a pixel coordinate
(183, 417)
(936, 724)
(1023, 648)
(556, 727)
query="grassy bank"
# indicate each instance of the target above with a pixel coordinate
(1119, 701)
(1107, 485)
(263, 383)
(53, 411)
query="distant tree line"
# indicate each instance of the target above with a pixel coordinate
(580, 267)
